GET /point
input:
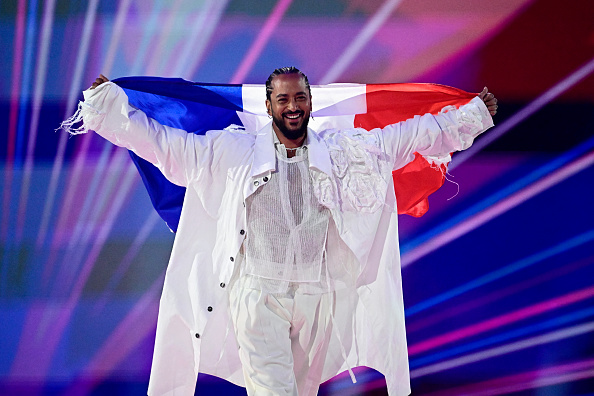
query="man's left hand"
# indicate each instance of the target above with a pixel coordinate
(490, 101)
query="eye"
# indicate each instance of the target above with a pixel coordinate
(282, 101)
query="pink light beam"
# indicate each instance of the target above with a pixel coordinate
(260, 42)
(129, 333)
(39, 344)
(158, 53)
(526, 112)
(497, 209)
(523, 381)
(71, 104)
(17, 64)
(40, 75)
(500, 321)
(543, 339)
(459, 309)
(193, 53)
(369, 30)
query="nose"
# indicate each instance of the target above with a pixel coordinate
(293, 105)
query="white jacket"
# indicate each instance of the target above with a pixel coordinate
(352, 175)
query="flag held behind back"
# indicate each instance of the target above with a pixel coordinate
(199, 107)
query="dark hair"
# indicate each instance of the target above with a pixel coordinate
(285, 70)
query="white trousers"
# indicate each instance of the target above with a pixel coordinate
(283, 339)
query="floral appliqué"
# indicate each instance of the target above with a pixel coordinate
(359, 167)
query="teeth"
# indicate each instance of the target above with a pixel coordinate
(293, 116)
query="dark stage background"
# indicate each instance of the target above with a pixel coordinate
(498, 280)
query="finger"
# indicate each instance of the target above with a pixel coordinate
(98, 81)
(491, 102)
(483, 93)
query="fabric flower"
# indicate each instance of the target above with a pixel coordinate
(359, 171)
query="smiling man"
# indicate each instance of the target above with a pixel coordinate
(285, 269)
(288, 102)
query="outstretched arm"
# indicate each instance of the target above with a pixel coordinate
(176, 153)
(438, 135)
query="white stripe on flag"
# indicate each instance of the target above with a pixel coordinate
(335, 106)
(338, 99)
(254, 98)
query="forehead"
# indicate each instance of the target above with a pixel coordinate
(287, 84)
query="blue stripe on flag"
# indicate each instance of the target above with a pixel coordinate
(185, 105)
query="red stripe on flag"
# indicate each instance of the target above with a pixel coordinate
(391, 103)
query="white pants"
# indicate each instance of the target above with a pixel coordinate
(283, 339)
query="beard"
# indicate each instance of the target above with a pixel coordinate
(289, 133)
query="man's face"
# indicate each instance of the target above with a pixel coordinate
(289, 105)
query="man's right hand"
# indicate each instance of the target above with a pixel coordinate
(99, 80)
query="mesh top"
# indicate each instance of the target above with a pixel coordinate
(287, 227)
(292, 242)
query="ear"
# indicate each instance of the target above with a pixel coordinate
(268, 110)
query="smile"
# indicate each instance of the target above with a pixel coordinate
(293, 116)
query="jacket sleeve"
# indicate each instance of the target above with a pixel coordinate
(436, 136)
(177, 154)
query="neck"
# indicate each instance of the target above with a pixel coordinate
(289, 143)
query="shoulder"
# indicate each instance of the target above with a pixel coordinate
(230, 144)
(232, 134)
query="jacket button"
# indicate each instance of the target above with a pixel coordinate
(222, 284)
(241, 232)
(232, 259)
(256, 183)
(197, 335)
(265, 179)
(209, 309)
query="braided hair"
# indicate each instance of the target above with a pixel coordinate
(285, 70)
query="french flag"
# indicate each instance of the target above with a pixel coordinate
(200, 107)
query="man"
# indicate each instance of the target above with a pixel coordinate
(285, 268)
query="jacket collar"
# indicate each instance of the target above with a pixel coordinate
(265, 156)
(319, 157)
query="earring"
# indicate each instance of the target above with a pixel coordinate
(269, 116)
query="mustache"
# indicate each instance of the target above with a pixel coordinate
(286, 113)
